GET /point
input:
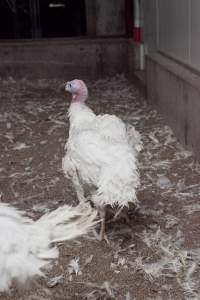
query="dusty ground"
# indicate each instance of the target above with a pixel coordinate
(158, 255)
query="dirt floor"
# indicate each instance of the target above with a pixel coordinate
(157, 256)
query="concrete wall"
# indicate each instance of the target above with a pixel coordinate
(64, 58)
(110, 17)
(105, 17)
(175, 90)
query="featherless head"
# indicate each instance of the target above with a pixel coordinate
(78, 89)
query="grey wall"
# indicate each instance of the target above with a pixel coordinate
(150, 24)
(64, 58)
(195, 34)
(172, 86)
(175, 91)
(173, 27)
(110, 17)
(105, 17)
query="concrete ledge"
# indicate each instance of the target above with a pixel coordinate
(63, 58)
(175, 90)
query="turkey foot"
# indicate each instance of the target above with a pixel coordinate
(120, 214)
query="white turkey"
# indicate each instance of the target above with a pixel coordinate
(102, 154)
(26, 245)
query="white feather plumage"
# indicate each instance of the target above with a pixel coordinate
(101, 151)
(26, 245)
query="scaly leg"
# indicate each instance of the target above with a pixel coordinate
(78, 188)
(102, 235)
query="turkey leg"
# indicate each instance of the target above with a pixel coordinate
(78, 188)
(102, 235)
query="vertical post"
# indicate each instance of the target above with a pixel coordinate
(137, 22)
(157, 25)
(36, 31)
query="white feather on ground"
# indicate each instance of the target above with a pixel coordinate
(165, 157)
(101, 152)
(26, 244)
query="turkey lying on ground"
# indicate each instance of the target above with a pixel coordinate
(26, 245)
(102, 153)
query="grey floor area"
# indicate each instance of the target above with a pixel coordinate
(156, 256)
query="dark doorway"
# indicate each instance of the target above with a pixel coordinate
(6, 21)
(42, 18)
(63, 18)
(14, 19)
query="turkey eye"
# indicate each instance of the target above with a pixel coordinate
(70, 85)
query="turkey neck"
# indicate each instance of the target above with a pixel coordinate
(80, 115)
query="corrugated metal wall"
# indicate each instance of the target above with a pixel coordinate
(173, 27)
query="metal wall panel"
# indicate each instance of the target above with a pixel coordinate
(195, 34)
(174, 28)
(150, 24)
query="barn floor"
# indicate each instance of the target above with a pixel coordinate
(157, 256)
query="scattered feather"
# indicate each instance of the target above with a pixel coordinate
(55, 281)
(73, 266)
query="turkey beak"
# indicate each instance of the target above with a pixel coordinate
(67, 87)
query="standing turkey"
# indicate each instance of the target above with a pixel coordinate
(25, 245)
(102, 153)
